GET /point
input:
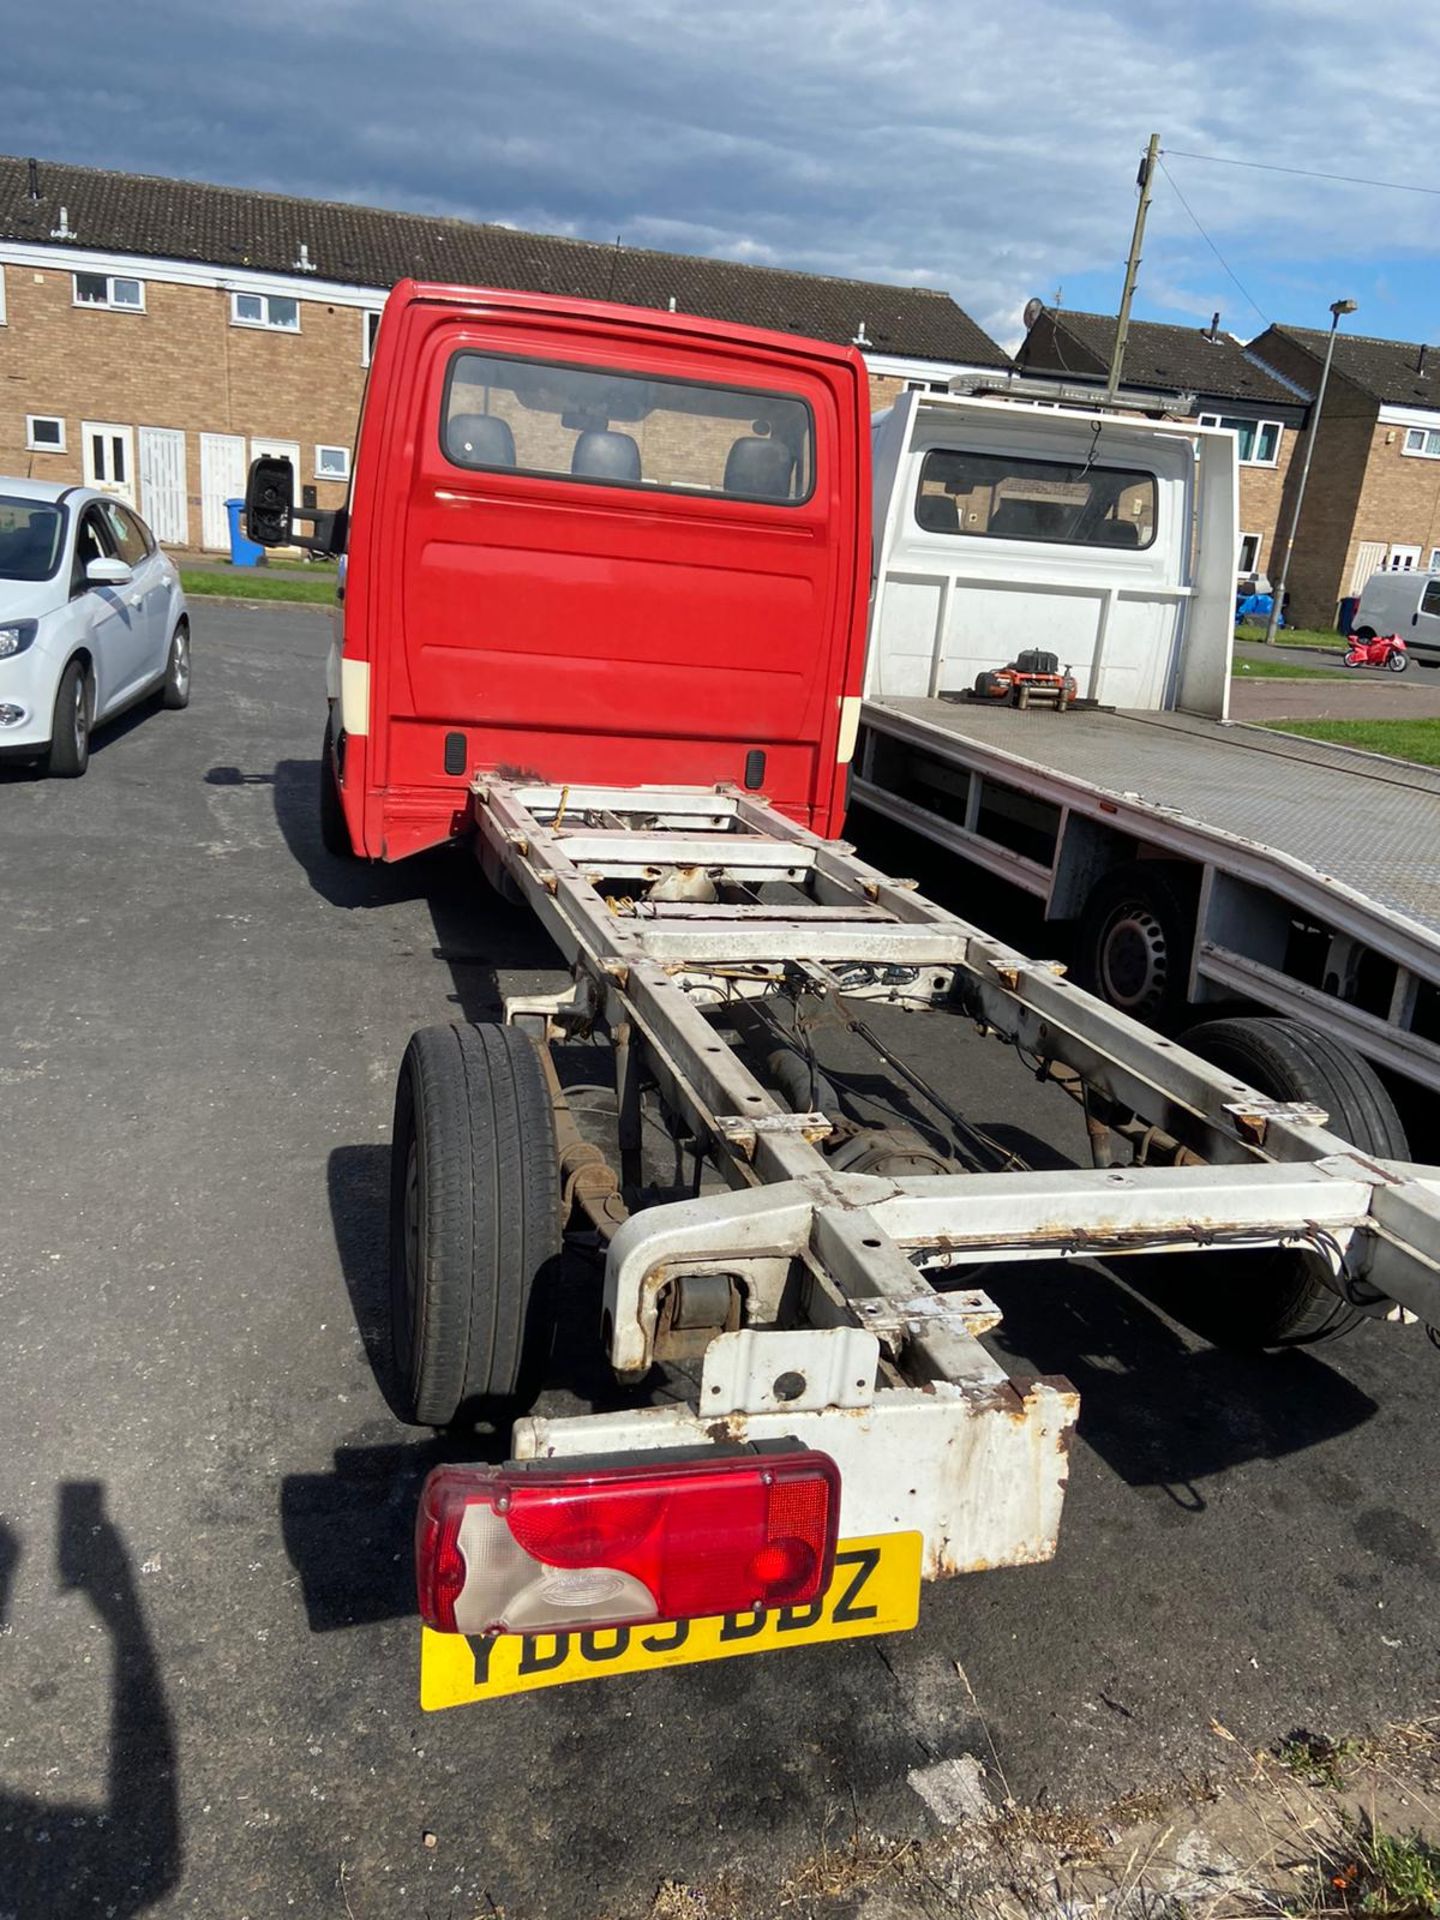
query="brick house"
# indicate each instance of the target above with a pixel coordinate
(1214, 379)
(155, 335)
(1373, 497)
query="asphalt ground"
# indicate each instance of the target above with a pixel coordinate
(208, 1654)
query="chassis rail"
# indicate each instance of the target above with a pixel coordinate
(807, 1290)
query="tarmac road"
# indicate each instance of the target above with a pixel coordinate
(208, 1656)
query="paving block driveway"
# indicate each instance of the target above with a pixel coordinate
(208, 1657)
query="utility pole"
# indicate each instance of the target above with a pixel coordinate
(1144, 180)
(1338, 308)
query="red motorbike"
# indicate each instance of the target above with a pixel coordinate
(1378, 650)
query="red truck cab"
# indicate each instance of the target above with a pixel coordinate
(591, 543)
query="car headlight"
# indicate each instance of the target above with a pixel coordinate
(16, 636)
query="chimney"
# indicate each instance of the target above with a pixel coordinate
(32, 170)
(1214, 333)
(1420, 362)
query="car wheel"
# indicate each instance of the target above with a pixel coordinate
(475, 1225)
(176, 691)
(69, 754)
(1277, 1296)
(1135, 937)
(334, 828)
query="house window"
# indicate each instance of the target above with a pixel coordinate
(1422, 443)
(1257, 441)
(332, 463)
(44, 433)
(115, 291)
(369, 328)
(273, 310)
(1434, 566)
(1250, 552)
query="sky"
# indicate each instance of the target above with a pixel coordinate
(990, 151)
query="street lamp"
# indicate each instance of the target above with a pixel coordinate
(1337, 307)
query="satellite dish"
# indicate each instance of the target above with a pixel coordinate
(1033, 310)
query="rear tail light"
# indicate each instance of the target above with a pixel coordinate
(517, 1550)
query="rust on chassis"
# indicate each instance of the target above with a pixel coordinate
(805, 1290)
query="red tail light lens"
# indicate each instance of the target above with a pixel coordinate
(507, 1550)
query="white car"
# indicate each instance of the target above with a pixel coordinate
(92, 619)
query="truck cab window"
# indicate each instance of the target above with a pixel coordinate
(627, 429)
(1005, 497)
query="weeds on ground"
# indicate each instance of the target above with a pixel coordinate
(1387, 1876)
(1317, 1759)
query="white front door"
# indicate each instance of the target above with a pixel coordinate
(109, 454)
(1403, 559)
(280, 450)
(222, 478)
(1370, 559)
(162, 485)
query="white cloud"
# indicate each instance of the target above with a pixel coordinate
(990, 153)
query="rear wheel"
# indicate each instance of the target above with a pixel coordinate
(1134, 940)
(475, 1227)
(1354, 659)
(334, 829)
(176, 691)
(1277, 1296)
(69, 753)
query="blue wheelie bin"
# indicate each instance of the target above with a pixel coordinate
(244, 552)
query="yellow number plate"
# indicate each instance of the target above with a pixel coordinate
(876, 1589)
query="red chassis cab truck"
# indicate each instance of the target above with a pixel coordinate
(604, 614)
(598, 544)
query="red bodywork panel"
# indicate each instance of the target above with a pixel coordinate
(612, 633)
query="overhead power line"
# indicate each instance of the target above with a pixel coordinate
(1250, 301)
(1303, 173)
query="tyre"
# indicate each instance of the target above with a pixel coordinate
(69, 753)
(475, 1225)
(175, 693)
(334, 829)
(1355, 660)
(1134, 940)
(1276, 1297)
(1397, 662)
(1362, 633)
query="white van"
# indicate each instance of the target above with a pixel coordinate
(1403, 603)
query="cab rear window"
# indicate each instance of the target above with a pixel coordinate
(1004, 497)
(621, 429)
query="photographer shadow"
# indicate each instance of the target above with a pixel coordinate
(58, 1859)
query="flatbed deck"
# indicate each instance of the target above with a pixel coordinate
(1352, 819)
(1319, 892)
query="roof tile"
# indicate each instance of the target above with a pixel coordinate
(135, 214)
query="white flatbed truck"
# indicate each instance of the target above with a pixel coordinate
(1205, 866)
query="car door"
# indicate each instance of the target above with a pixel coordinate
(154, 579)
(145, 596)
(111, 623)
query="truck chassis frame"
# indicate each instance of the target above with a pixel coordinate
(806, 1292)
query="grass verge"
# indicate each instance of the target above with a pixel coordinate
(251, 584)
(1298, 637)
(1414, 740)
(1262, 669)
